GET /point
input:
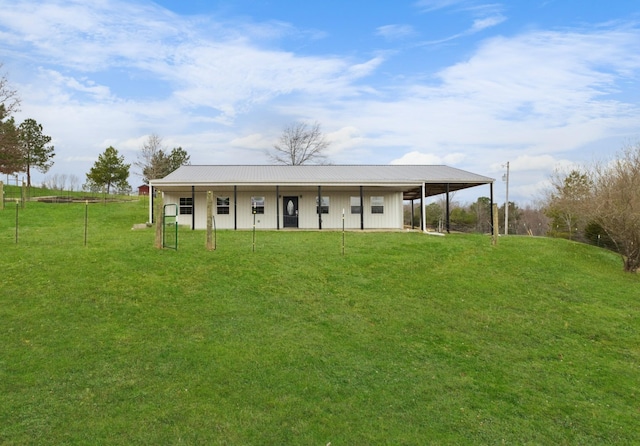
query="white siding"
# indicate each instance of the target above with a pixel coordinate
(392, 218)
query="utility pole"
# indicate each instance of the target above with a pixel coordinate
(506, 204)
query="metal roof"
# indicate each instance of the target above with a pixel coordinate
(410, 178)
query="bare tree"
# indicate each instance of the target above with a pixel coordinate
(299, 144)
(148, 158)
(8, 96)
(154, 162)
(615, 203)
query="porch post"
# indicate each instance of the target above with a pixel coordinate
(491, 204)
(448, 213)
(278, 208)
(423, 217)
(193, 208)
(362, 207)
(151, 189)
(319, 207)
(235, 207)
(411, 213)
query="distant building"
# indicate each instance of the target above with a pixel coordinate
(306, 196)
(143, 190)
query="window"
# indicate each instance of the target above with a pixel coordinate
(324, 206)
(257, 205)
(355, 205)
(222, 205)
(186, 206)
(377, 205)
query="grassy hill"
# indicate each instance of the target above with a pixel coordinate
(404, 339)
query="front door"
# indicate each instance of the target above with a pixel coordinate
(290, 209)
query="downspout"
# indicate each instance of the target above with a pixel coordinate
(193, 208)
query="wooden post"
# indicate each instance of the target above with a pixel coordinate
(1, 195)
(24, 193)
(159, 218)
(209, 220)
(494, 238)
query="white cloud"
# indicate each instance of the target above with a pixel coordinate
(393, 32)
(485, 22)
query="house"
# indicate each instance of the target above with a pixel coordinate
(143, 190)
(306, 196)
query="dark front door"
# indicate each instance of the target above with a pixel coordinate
(290, 209)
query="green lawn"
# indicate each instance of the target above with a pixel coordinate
(404, 339)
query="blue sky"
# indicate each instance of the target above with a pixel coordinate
(543, 84)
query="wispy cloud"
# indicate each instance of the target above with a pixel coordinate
(394, 32)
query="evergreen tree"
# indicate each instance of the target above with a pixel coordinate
(34, 147)
(10, 156)
(109, 170)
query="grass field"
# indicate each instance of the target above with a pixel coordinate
(404, 339)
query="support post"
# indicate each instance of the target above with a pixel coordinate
(1, 195)
(423, 213)
(448, 211)
(235, 207)
(412, 212)
(362, 207)
(319, 207)
(193, 208)
(209, 220)
(159, 222)
(494, 239)
(491, 205)
(278, 208)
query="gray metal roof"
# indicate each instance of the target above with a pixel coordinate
(406, 176)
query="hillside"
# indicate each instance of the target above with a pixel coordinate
(404, 339)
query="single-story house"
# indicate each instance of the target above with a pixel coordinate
(306, 196)
(143, 190)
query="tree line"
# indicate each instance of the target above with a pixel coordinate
(600, 203)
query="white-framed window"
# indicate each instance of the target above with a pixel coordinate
(356, 208)
(377, 205)
(186, 205)
(324, 206)
(222, 205)
(257, 205)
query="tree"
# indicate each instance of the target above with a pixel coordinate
(10, 156)
(614, 203)
(8, 97)
(109, 170)
(36, 153)
(482, 210)
(299, 144)
(178, 157)
(155, 163)
(566, 202)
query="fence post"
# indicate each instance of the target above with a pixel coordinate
(24, 193)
